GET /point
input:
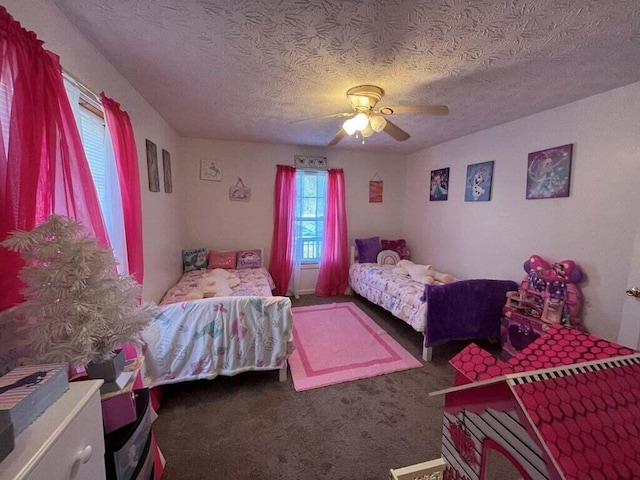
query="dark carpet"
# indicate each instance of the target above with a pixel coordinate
(251, 426)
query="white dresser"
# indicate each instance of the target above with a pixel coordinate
(65, 443)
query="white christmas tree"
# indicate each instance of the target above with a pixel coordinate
(78, 307)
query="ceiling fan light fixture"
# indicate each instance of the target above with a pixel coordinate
(377, 123)
(349, 127)
(367, 131)
(360, 121)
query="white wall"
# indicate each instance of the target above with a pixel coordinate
(163, 227)
(214, 221)
(595, 225)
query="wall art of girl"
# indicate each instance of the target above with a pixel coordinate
(548, 173)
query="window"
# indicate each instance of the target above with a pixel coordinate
(311, 200)
(6, 94)
(99, 152)
(92, 131)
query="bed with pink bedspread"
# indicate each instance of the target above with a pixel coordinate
(200, 339)
(254, 282)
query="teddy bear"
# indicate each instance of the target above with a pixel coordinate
(214, 283)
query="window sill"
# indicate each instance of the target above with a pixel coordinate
(309, 266)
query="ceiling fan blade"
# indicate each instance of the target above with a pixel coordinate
(339, 136)
(426, 109)
(396, 132)
(335, 115)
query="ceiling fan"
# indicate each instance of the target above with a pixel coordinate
(365, 119)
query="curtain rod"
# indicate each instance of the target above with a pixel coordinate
(90, 94)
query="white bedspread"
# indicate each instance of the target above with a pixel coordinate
(398, 294)
(205, 338)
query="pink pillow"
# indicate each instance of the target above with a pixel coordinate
(221, 259)
(398, 246)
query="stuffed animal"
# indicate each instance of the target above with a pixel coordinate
(222, 274)
(214, 287)
(194, 294)
(425, 274)
(214, 283)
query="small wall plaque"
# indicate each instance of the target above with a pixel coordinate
(239, 192)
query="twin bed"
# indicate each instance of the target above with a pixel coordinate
(462, 310)
(204, 338)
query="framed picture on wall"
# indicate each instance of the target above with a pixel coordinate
(439, 189)
(166, 168)
(478, 187)
(152, 167)
(211, 170)
(549, 172)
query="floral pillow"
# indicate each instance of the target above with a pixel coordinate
(398, 246)
(222, 259)
(368, 249)
(194, 259)
(249, 259)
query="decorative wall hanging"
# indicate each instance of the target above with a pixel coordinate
(375, 189)
(211, 170)
(166, 168)
(239, 193)
(548, 172)
(152, 166)
(478, 187)
(308, 161)
(439, 185)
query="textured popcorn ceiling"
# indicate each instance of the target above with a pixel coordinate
(241, 70)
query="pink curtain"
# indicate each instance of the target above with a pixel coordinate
(43, 168)
(126, 155)
(334, 264)
(284, 209)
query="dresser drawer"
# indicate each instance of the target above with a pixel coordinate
(145, 469)
(126, 447)
(83, 437)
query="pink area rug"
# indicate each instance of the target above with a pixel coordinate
(338, 343)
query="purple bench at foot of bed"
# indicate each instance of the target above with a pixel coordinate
(463, 310)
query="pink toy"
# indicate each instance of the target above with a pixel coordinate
(548, 295)
(549, 291)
